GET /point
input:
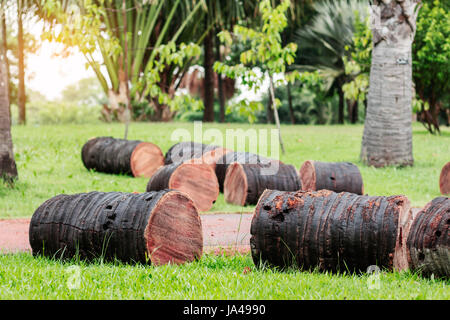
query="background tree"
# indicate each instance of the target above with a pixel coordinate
(265, 50)
(8, 169)
(322, 43)
(387, 138)
(431, 64)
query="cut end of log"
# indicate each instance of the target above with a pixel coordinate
(174, 231)
(211, 157)
(198, 181)
(308, 176)
(405, 219)
(235, 185)
(146, 159)
(444, 180)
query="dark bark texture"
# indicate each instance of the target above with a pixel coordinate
(334, 176)
(208, 101)
(239, 157)
(428, 240)
(187, 150)
(251, 175)
(110, 155)
(150, 228)
(331, 231)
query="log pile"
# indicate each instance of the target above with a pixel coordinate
(198, 181)
(444, 180)
(245, 183)
(428, 240)
(153, 228)
(118, 156)
(331, 231)
(334, 176)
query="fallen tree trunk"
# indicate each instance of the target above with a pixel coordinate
(194, 152)
(198, 181)
(224, 162)
(444, 179)
(428, 240)
(334, 176)
(110, 155)
(331, 231)
(154, 228)
(244, 183)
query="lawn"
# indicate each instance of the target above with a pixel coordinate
(214, 277)
(49, 161)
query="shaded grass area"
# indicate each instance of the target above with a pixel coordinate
(214, 277)
(49, 160)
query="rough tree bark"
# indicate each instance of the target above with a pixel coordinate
(444, 179)
(387, 138)
(151, 228)
(334, 176)
(428, 239)
(8, 169)
(110, 155)
(208, 100)
(331, 231)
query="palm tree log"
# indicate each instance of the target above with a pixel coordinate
(387, 138)
(428, 240)
(244, 183)
(194, 152)
(153, 228)
(331, 231)
(334, 176)
(444, 179)
(198, 181)
(110, 155)
(240, 157)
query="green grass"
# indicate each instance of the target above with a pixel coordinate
(49, 162)
(214, 277)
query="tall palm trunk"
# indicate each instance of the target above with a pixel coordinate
(8, 169)
(208, 86)
(220, 83)
(387, 138)
(21, 96)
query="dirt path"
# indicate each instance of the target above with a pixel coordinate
(222, 232)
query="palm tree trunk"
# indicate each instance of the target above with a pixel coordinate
(341, 104)
(4, 47)
(208, 86)
(387, 138)
(21, 96)
(220, 84)
(8, 169)
(269, 109)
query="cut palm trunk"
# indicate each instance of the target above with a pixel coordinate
(198, 181)
(244, 183)
(187, 151)
(153, 228)
(330, 231)
(334, 176)
(428, 240)
(444, 179)
(110, 155)
(240, 157)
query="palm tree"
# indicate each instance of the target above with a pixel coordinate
(322, 43)
(387, 138)
(8, 169)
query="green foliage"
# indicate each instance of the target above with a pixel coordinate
(86, 91)
(265, 51)
(431, 63)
